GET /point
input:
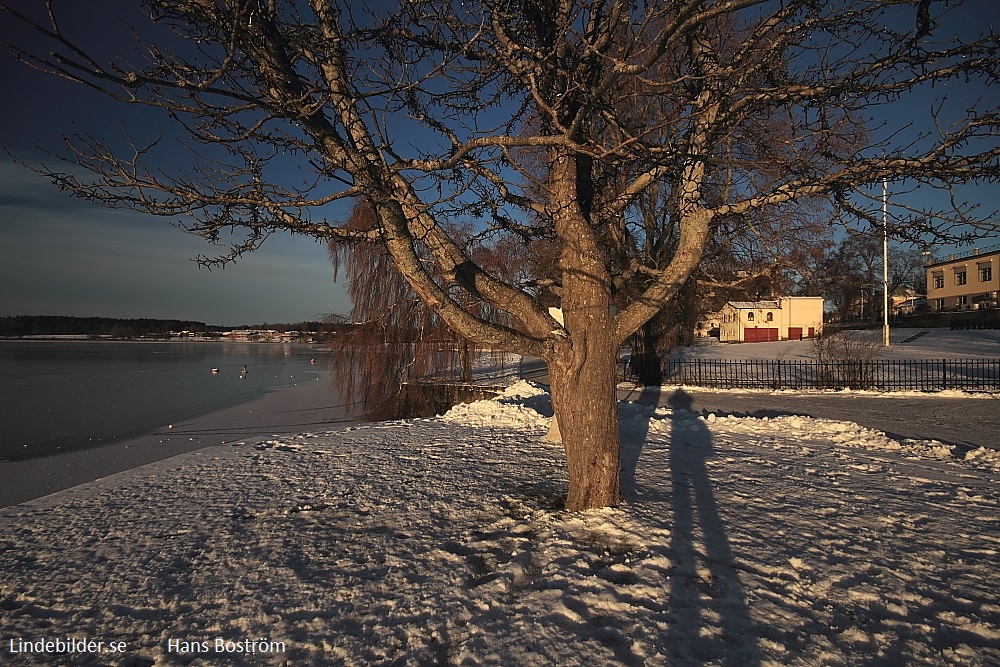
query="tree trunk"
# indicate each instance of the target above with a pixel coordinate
(645, 361)
(586, 408)
(465, 360)
(582, 365)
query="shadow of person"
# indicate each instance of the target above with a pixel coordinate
(711, 621)
(631, 437)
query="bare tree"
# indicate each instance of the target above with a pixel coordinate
(853, 278)
(510, 117)
(906, 272)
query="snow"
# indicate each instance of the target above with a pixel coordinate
(933, 344)
(740, 541)
(869, 393)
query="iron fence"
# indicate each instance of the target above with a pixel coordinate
(882, 374)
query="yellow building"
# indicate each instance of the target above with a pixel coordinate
(784, 318)
(968, 281)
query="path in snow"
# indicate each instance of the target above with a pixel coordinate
(963, 421)
(950, 417)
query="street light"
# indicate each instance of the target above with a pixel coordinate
(885, 265)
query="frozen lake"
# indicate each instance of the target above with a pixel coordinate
(57, 396)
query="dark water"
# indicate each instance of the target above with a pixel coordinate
(56, 396)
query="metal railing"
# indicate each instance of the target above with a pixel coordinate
(881, 374)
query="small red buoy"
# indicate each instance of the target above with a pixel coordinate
(215, 370)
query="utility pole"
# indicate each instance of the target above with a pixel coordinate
(885, 264)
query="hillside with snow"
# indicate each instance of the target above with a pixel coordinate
(903, 344)
(741, 541)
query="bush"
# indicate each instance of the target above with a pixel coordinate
(847, 358)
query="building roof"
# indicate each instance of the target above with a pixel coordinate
(965, 256)
(753, 305)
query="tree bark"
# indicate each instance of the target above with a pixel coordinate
(645, 361)
(582, 364)
(465, 360)
(586, 408)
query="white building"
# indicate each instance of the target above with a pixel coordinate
(784, 318)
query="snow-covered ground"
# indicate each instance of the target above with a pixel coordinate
(741, 541)
(934, 344)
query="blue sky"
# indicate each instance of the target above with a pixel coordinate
(63, 256)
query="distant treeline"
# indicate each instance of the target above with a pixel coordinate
(65, 325)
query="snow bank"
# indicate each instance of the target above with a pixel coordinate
(524, 404)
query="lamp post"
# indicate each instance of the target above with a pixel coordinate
(885, 265)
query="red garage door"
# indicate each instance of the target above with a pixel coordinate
(759, 335)
(794, 333)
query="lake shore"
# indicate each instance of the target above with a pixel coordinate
(308, 406)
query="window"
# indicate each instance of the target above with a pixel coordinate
(939, 281)
(749, 317)
(960, 278)
(985, 274)
(962, 302)
(938, 304)
(770, 317)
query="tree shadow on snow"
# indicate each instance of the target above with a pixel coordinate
(711, 619)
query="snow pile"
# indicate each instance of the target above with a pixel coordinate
(522, 405)
(988, 459)
(524, 389)
(741, 541)
(496, 414)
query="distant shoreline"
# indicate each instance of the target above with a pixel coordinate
(83, 338)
